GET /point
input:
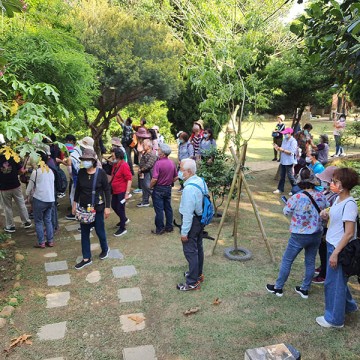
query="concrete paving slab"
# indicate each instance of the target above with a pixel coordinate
(72, 227)
(145, 352)
(115, 254)
(52, 331)
(78, 236)
(57, 299)
(93, 277)
(58, 280)
(94, 247)
(50, 255)
(128, 324)
(129, 295)
(56, 266)
(124, 271)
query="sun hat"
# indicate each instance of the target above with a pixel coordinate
(45, 149)
(2, 139)
(87, 143)
(200, 123)
(165, 149)
(88, 154)
(116, 141)
(287, 131)
(327, 174)
(142, 133)
(312, 179)
(282, 117)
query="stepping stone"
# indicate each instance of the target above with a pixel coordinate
(17, 219)
(57, 299)
(72, 227)
(52, 331)
(58, 280)
(124, 271)
(115, 254)
(146, 352)
(93, 277)
(50, 255)
(78, 236)
(129, 295)
(56, 266)
(94, 247)
(128, 324)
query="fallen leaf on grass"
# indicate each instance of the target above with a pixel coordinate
(217, 301)
(23, 339)
(191, 311)
(137, 319)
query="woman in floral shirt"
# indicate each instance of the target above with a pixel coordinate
(306, 231)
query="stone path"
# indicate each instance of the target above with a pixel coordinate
(129, 322)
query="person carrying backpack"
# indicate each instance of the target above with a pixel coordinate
(191, 210)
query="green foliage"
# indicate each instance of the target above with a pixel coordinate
(218, 173)
(2, 254)
(4, 237)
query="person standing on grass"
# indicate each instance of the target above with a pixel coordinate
(306, 231)
(339, 127)
(277, 135)
(191, 208)
(83, 197)
(342, 229)
(288, 151)
(120, 184)
(163, 178)
(185, 151)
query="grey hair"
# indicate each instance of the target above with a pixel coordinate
(189, 164)
(165, 149)
(148, 142)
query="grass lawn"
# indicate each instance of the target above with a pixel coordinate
(247, 317)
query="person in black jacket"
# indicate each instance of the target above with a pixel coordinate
(101, 204)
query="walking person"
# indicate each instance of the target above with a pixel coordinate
(88, 177)
(121, 178)
(306, 231)
(342, 229)
(277, 135)
(41, 185)
(163, 178)
(287, 159)
(191, 208)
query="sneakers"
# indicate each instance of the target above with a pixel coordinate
(322, 322)
(186, 287)
(60, 195)
(70, 217)
(317, 271)
(11, 229)
(158, 233)
(82, 264)
(277, 191)
(274, 159)
(120, 232)
(49, 243)
(303, 293)
(127, 221)
(271, 289)
(39, 246)
(119, 223)
(143, 205)
(104, 254)
(318, 280)
(27, 224)
(201, 277)
(137, 191)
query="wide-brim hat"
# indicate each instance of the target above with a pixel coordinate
(88, 154)
(287, 131)
(282, 117)
(327, 174)
(87, 143)
(312, 179)
(200, 122)
(143, 133)
(116, 141)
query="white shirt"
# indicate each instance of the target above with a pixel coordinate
(340, 212)
(43, 180)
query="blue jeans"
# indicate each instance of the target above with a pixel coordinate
(99, 225)
(297, 242)
(145, 187)
(338, 148)
(286, 170)
(42, 215)
(161, 197)
(338, 299)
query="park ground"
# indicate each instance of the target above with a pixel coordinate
(246, 317)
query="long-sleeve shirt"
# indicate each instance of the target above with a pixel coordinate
(185, 151)
(289, 145)
(43, 181)
(121, 174)
(305, 219)
(147, 162)
(191, 202)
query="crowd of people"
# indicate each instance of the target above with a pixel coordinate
(323, 216)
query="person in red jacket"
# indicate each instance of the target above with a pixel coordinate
(121, 179)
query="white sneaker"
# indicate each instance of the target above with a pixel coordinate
(322, 322)
(277, 191)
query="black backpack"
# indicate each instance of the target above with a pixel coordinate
(61, 182)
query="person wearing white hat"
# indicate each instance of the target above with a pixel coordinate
(86, 143)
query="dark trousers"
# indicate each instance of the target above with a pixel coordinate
(277, 141)
(194, 252)
(323, 255)
(99, 225)
(286, 170)
(119, 208)
(161, 197)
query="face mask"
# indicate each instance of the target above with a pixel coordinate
(115, 161)
(87, 164)
(287, 136)
(180, 175)
(306, 132)
(206, 136)
(335, 188)
(308, 160)
(181, 141)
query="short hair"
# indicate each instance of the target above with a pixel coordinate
(165, 149)
(315, 154)
(128, 121)
(143, 121)
(119, 154)
(325, 138)
(304, 175)
(348, 177)
(210, 132)
(342, 116)
(148, 142)
(185, 136)
(71, 138)
(189, 164)
(308, 126)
